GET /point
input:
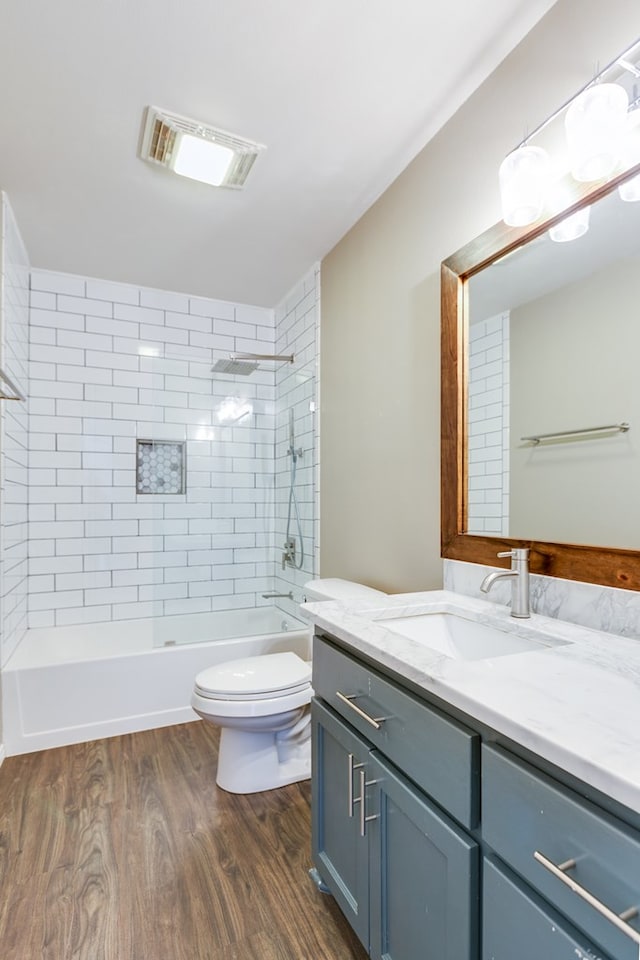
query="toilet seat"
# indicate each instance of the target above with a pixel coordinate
(248, 697)
(254, 686)
(260, 707)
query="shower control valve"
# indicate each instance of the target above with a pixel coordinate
(289, 553)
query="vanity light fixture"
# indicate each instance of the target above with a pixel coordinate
(601, 140)
(194, 149)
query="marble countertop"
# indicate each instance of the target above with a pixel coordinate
(576, 702)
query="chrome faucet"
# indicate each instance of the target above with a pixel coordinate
(519, 576)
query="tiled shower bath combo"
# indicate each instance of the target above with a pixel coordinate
(157, 491)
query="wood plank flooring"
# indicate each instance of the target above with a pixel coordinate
(125, 849)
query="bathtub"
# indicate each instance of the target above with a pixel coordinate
(72, 684)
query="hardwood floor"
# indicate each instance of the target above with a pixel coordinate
(125, 849)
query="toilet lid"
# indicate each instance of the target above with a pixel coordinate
(254, 677)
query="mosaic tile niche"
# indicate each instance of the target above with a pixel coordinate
(160, 467)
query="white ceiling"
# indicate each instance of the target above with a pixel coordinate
(343, 93)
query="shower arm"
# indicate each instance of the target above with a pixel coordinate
(277, 357)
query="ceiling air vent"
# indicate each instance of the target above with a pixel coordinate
(194, 149)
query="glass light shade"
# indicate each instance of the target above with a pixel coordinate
(595, 125)
(524, 175)
(201, 159)
(630, 191)
(571, 227)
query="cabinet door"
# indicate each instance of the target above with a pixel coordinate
(340, 853)
(424, 874)
(518, 923)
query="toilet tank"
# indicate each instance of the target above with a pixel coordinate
(333, 588)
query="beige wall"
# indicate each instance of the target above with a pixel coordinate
(379, 421)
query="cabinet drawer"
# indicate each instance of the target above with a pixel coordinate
(524, 812)
(518, 924)
(437, 753)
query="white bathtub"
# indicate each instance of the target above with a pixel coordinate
(71, 684)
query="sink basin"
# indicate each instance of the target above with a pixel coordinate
(463, 639)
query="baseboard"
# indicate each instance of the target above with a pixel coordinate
(2, 754)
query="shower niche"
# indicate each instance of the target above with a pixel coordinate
(160, 467)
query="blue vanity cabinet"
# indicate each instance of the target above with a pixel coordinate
(403, 873)
(398, 789)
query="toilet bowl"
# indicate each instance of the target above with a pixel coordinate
(262, 705)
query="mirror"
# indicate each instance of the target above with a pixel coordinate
(543, 338)
(551, 358)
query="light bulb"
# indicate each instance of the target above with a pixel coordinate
(595, 125)
(201, 159)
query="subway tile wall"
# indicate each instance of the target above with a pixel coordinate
(488, 510)
(14, 313)
(112, 363)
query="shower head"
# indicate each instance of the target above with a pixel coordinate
(236, 367)
(242, 364)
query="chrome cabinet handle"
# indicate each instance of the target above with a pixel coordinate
(617, 919)
(349, 698)
(364, 819)
(350, 798)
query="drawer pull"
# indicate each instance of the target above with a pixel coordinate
(349, 698)
(350, 798)
(617, 919)
(364, 819)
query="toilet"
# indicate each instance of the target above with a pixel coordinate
(262, 705)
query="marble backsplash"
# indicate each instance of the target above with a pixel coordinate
(601, 608)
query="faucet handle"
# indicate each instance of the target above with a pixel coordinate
(518, 553)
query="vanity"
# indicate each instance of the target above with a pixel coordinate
(463, 792)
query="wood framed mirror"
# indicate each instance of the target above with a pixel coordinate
(592, 562)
